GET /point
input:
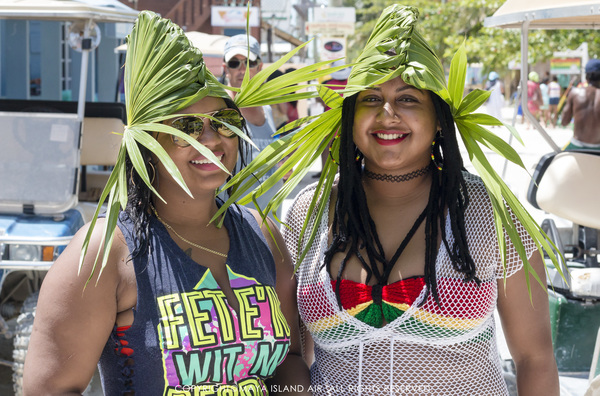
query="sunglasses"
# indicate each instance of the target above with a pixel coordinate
(194, 126)
(235, 63)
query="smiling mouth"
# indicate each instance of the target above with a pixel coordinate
(390, 136)
(205, 160)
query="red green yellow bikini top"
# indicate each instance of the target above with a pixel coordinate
(373, 304)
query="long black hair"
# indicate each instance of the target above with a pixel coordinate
(354, 229)
(140, 197)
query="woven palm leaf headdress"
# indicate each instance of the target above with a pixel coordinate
(395, 48)
(165, 73)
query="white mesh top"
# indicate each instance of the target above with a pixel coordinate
(430, 349)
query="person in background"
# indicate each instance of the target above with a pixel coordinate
(292, 106)
(279, 110)
(534, 95)
(182, 306)
(583, 106)
(554, 92)
(260, 122)
(496, 100)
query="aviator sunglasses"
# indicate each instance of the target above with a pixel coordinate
(194, 126)
(235, 63)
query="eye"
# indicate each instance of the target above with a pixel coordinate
(371, 98)
(407, 99)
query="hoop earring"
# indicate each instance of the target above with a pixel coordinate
(359, 155)
(436, 150)
(153, 171)
(335, 138)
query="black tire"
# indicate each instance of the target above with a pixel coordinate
(21, 342)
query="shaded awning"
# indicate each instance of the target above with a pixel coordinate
(211, 45)
(71, 10)
(547, 14)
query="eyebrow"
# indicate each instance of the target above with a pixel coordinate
(400, 89)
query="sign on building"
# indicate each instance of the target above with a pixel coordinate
(565, 65)
(234, 16)
(332, 48)
(329, 28)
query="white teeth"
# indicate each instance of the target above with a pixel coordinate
(204, 161)
(390, 136)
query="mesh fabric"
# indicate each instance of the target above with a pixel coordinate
(431, 349)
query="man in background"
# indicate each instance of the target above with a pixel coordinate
(583, 106)
(239, 51)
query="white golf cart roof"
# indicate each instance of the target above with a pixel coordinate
(97, 10)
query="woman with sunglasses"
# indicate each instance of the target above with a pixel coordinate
(182, 307)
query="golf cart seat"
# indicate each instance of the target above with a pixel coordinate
(567, 184)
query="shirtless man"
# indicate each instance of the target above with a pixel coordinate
(583, 105)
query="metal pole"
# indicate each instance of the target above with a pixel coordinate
(85, 55)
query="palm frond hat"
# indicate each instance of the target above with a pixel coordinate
(165, 73)
(395, 48)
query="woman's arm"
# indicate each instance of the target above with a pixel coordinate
(293, 372)
(526, 325)
(73, 321)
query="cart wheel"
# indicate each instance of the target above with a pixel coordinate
(21, 341)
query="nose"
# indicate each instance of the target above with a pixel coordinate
(387, 112)
(208, 136)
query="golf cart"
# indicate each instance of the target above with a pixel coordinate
(55, 153)
(565, 186)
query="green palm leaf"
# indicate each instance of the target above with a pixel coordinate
(164, 73)
(501, 196)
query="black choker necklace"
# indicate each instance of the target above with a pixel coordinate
(398, 178)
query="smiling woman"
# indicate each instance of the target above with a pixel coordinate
(402, 256)
(183, 306)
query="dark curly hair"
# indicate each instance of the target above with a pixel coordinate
(354, 229)
(140, 197)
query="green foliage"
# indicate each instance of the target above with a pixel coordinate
(446, 25)
(165, 73)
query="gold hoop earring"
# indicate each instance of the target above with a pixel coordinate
(153, 171)
(435, 148)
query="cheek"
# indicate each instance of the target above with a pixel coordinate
(232, 147)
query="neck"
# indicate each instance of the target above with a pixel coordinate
(182, 210)
(398, 178)
(397, 193)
